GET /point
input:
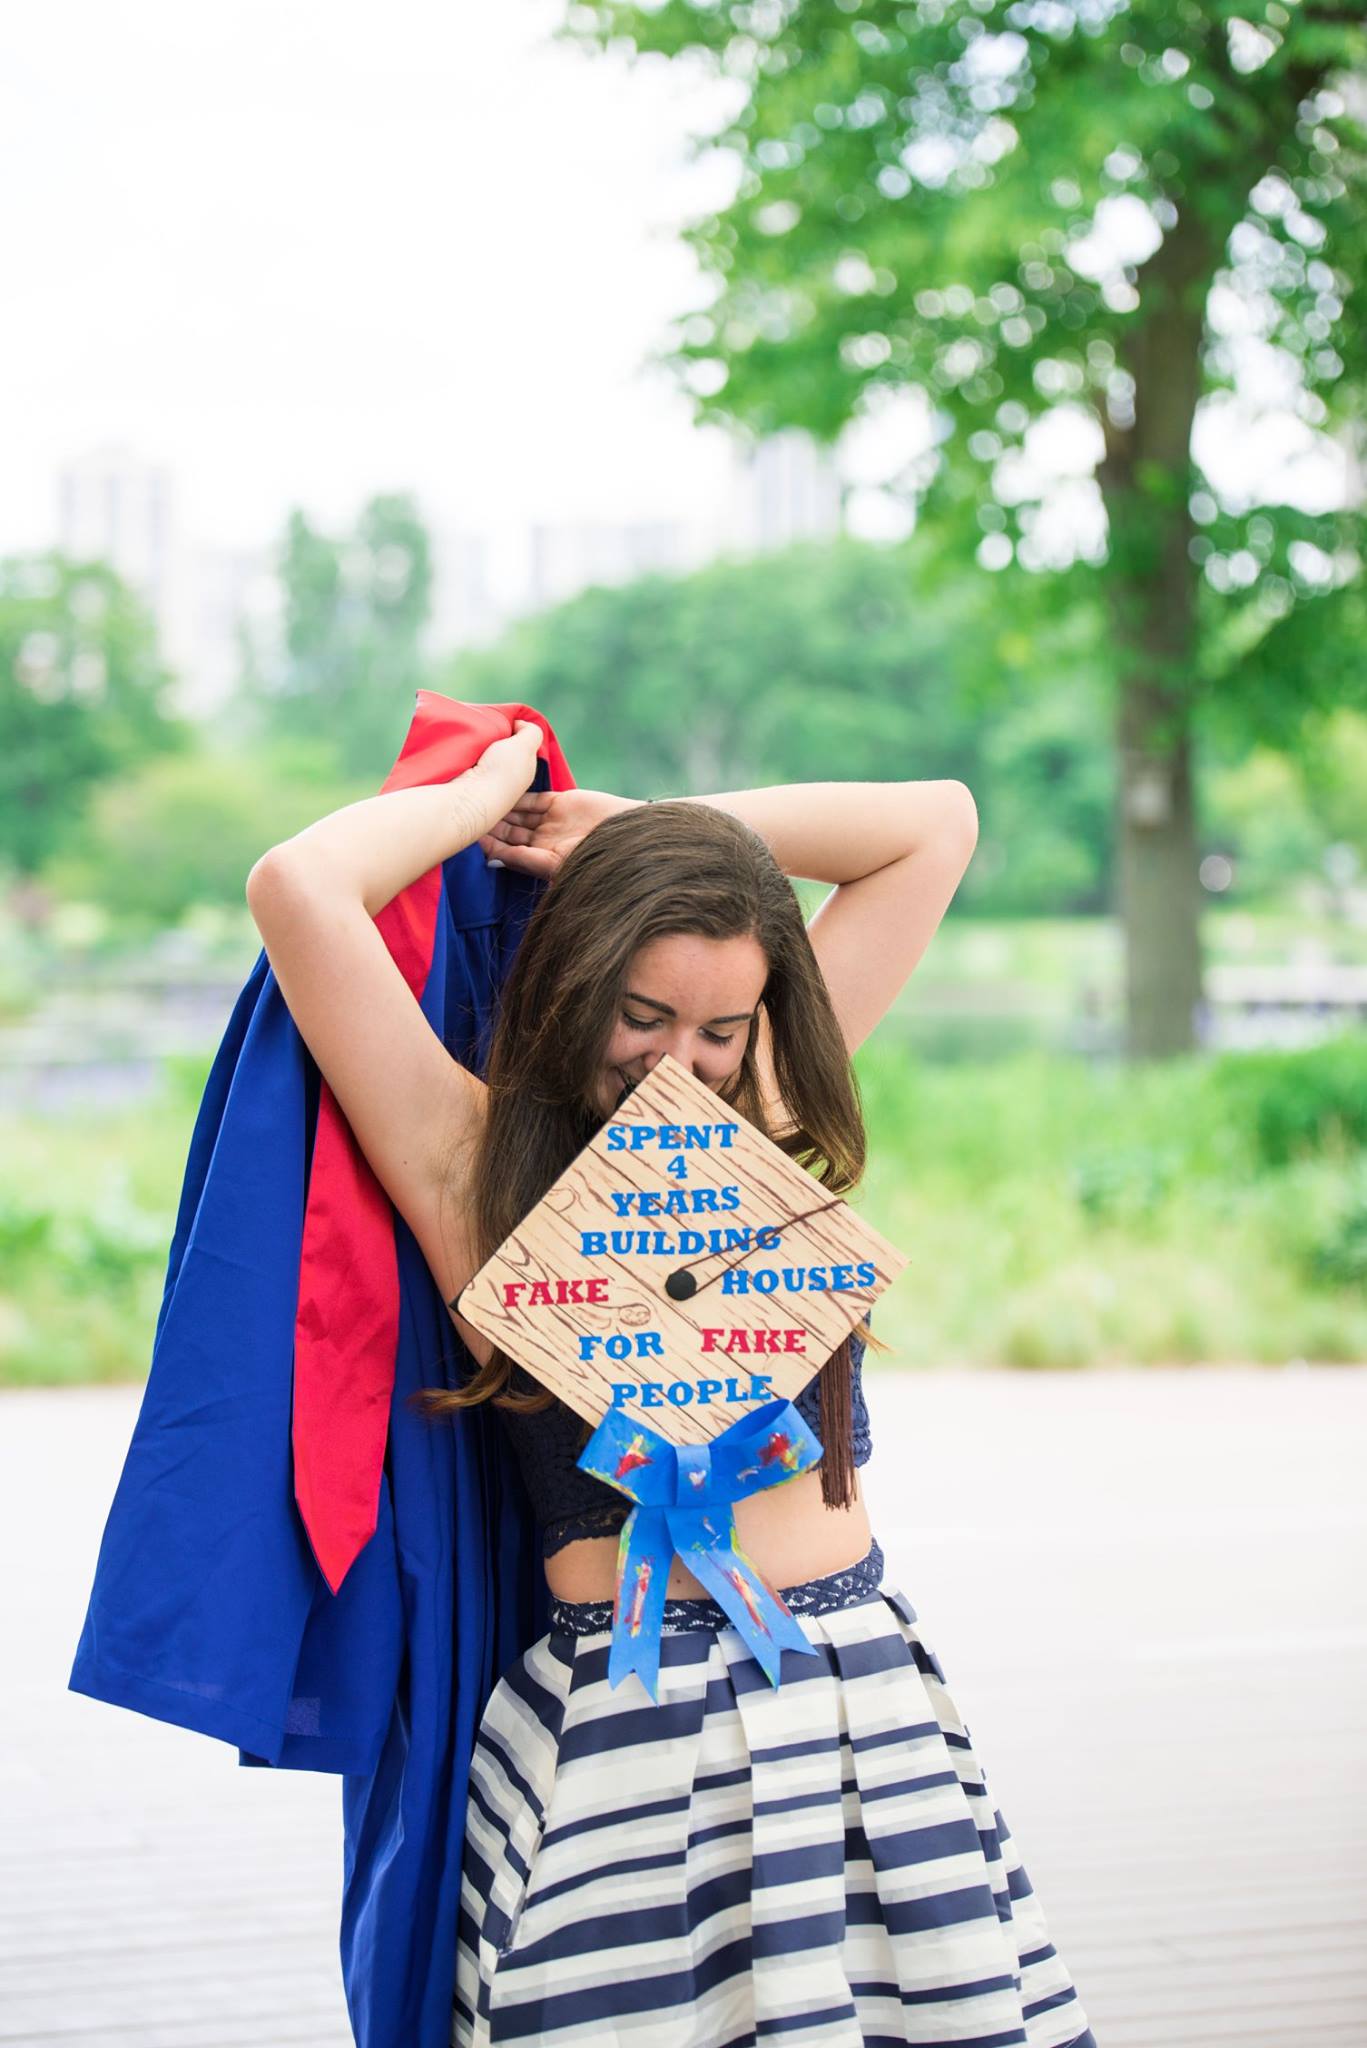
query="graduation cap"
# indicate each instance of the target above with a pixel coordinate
(681, 1268)
(677, 1286)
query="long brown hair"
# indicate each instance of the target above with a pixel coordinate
(644, 874)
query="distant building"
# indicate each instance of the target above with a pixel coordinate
(466, 611)
(787, 489)
(566, 558)
(232, 592)
(114, 508)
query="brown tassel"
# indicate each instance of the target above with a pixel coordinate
(837, 1429)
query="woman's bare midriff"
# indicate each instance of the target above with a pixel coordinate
(789, 1534)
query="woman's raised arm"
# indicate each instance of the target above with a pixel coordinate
(415, 1110)
(369, 851)
(896, 852)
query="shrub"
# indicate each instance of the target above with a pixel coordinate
(1296, 1103)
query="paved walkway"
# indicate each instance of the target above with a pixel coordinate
(1147, 1591)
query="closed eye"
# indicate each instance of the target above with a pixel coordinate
(649, 1023)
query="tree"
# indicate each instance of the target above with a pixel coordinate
(83, 697)
(785, 663)
(184, 830)
(936, 197)
(829, 658)
(350, 657)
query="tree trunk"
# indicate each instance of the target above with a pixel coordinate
(1159, 890)
(1146, 480)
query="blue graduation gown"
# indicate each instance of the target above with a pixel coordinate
(208, 1609)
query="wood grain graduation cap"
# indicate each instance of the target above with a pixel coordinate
(681, 1269)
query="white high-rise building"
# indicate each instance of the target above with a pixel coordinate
(567, 556)
(786, 489)
(466, 611)
(112, 507)
(233, 591)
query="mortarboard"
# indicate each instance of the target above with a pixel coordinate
(677, 1285)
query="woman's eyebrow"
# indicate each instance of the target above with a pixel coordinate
(735, 1016)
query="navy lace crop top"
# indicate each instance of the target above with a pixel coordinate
(569, 1503)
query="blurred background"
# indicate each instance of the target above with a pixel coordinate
(765, 392)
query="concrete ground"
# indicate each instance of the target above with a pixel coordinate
(1146, 1590)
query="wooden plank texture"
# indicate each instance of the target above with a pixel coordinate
(674, 1142)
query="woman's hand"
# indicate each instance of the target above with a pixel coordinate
(546, 824)
(509, 766)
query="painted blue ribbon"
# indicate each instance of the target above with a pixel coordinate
(684, 1494)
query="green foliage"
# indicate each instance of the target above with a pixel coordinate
(82, 1278)
(1126, 1185)
(918, 191)
(1296, 1103)
(1053, 1213)
(1338, 1255)
(83, 694)
(183, 831)
(1282, 816)
(1045, 797)
(351, 660)
(862, 661)
(744, 672)
(184, 1077)
(25, 1228)
(1056, 1214)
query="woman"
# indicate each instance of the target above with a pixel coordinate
(820, 1863)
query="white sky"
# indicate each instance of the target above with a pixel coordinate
(299, 252)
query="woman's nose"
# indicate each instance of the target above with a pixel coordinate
(686, 1055)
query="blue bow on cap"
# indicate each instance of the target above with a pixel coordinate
(684, 1494)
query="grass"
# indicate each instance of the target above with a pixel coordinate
(1060, 1214)
(86, 1219)
(1054, 1213)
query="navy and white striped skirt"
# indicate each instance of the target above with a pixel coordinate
(821, 1864)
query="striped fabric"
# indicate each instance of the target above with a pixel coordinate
(818, 1865)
